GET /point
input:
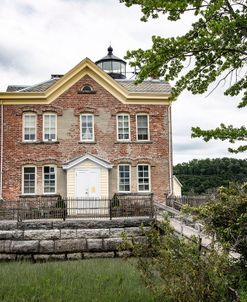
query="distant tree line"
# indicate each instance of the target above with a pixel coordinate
(205, 175)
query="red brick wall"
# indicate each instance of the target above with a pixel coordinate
(105, 107)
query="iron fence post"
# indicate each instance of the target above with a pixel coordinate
(152, 204)
(63, 206)
(110, 208)
(18, 211)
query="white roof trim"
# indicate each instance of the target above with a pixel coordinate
(81, 159)
(178, 182)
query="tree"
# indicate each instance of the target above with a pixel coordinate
(226, 218)
(206, 175)
(215, 49)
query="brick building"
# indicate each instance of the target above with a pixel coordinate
(90, 132)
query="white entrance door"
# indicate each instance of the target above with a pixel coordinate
(87, 190)
(87, 183)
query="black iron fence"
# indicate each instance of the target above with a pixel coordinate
(120, 205)
(177, 202)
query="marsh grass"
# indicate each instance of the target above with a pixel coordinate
(104, 280)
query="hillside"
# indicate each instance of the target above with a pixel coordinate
(203, 176)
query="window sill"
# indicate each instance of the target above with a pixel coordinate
(143, 142)
(87, 142)
(134, 142)
(38, 195)
(41, 143)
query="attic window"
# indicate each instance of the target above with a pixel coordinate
(87, 89)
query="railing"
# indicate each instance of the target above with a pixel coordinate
(177, 202)
(120, 205)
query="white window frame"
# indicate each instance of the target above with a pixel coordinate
(149, 178)
(49, 114)
(23, 126)
(124, 139)
(87, 140)
(35, 182)
(142, 140)
(118, 178)
(43, 179)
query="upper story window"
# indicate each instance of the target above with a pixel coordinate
(29, 180)
(49, 127)
(29, 127)
(124, 178)
(49, 179)
(142, 127)
(143, 176)
(87, 127)
(123, 127)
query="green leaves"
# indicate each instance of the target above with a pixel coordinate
(214, 50)
(176, 269)
(223, 133)
(226, 218)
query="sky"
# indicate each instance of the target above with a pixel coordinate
(43, 37)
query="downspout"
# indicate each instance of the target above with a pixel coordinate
(1, 154)
(170, 193)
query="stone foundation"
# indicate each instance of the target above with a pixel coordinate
(71, 239)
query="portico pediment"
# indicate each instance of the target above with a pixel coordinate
(78, 160)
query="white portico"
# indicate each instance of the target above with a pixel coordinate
(87, 176)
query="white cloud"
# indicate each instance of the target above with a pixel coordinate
(42, 37)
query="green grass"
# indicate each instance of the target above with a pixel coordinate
(104, 280)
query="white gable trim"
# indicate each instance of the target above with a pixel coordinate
(177, 181)
(81, 159)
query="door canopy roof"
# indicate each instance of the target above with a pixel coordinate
(76, 161)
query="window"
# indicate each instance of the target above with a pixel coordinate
(29, 180)
(143, 178)
(87, 89)
(87, 129)
(49, 127)
(142, 127)
(124, 178)
(123, 128)
(49, 179)
(29, 127)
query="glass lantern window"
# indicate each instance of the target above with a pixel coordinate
(116, 67)
(107, 66)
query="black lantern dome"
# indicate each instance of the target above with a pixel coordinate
(112, 65)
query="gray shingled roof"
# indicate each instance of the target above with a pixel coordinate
(12, 88)
(41, 87)
(148, 86)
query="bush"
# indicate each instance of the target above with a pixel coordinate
(226, 218)
(178, 270)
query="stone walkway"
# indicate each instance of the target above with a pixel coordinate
(187, 231)
(180, 225)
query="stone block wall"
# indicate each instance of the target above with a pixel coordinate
(72, 239)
